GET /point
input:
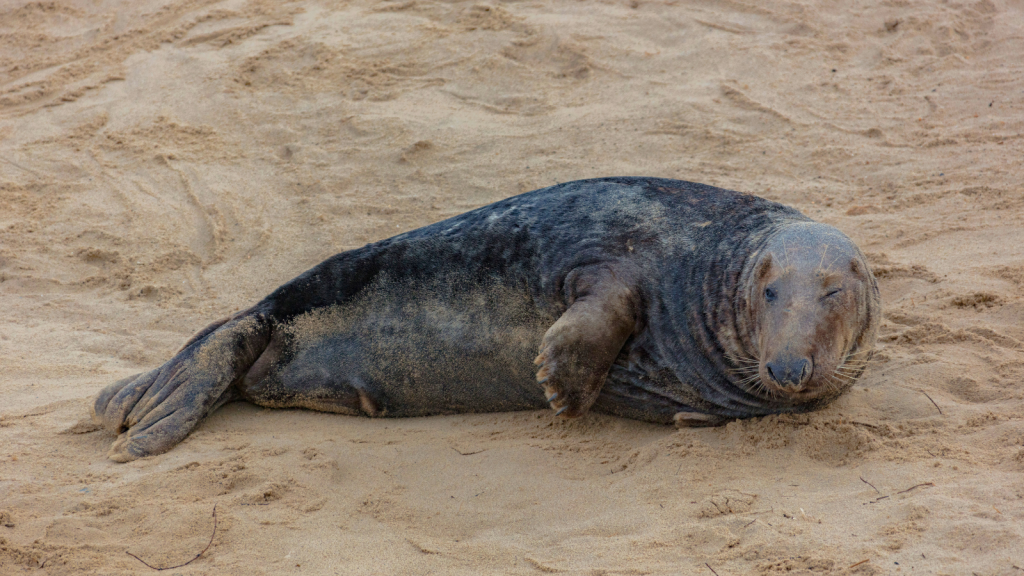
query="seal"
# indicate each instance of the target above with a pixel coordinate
(653, 299)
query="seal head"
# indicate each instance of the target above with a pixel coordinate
(813, 303)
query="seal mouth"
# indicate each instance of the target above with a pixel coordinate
(790, 376)
(809, 392)
(764, 379)
(823, 384)
(820, 384)
(761, 379)
(796, 396)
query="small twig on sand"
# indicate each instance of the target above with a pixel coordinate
(869, 484)
(203, 551)
(857, 564)
(933, 401)
(710, 568)
(916, 486)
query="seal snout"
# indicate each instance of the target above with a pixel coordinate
(789, 373)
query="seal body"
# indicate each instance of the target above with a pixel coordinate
(653, 299)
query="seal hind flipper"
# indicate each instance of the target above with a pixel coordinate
(154, 411)
(205, 332)
(577, 352)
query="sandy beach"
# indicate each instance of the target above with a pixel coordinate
(164, 163)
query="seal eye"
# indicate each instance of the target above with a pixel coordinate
(769, 295)
(833, 292)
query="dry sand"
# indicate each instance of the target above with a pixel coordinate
(164, 163)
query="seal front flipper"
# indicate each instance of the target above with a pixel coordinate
(579, 349)
(154, 411)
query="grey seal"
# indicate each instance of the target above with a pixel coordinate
(654, 299)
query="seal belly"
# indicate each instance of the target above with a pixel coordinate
(413, 350)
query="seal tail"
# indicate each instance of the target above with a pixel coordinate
(154, 411)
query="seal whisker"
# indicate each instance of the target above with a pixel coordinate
(841, 385)
(841, 380)
(851, 366)
(754, 385)
(850, 373)
(743, 360)
(771, 393)
(840, 371)
(748, 370)
(749, 379)
(856, 371)
(852, 363)
(744, 372)
(833, 386)
(834, 260)
(859, 357)
(838, 382)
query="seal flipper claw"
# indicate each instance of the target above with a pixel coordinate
(697, 420)
(112, 417)
(156, 410)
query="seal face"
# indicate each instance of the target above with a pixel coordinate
(812, 303)
(653, 299)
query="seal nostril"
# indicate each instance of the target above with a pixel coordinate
(805, 372)
(771, 374)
